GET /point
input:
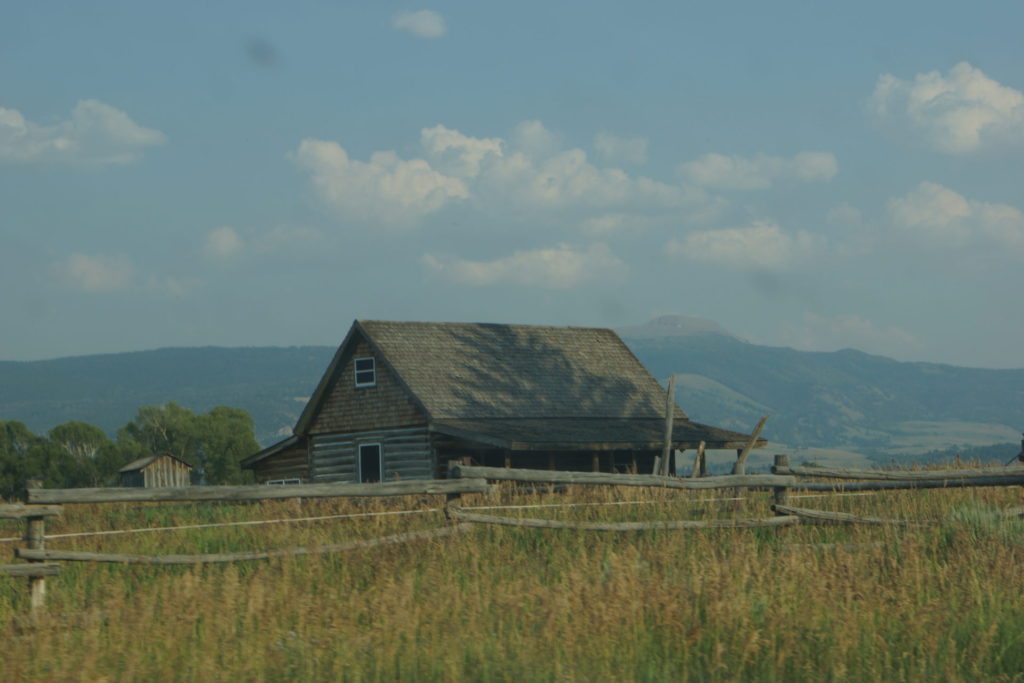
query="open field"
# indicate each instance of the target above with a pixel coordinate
(498, 603)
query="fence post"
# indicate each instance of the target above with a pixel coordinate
(670, 412)
(780, 494)
(35, 539)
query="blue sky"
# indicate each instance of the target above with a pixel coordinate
(252, 174)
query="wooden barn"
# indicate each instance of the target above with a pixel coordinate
(156, 471)
(401, 399)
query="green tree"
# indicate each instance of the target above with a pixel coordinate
(213, 443)
(25, 455)
(225, 437)
(90, 457)
(169, 428)
(15, 442)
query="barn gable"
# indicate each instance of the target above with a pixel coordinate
(347, 405)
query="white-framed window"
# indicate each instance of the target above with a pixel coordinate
(281, 482)
(371, 463)
(366, 372)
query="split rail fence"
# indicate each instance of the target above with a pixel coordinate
(466, 479)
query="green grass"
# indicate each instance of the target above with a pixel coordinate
(940, 602)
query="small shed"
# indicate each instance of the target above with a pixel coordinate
(156, 471)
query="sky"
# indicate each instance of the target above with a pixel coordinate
(806, 174)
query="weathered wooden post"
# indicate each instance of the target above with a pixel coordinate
(741, 458)
(780, 494)
(450, 498)
(35, 539)
(670, 412)
(700, 468)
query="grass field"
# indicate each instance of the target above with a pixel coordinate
(940, 602)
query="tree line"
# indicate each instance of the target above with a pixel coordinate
(76, 454)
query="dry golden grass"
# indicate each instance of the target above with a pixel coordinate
(941, 602)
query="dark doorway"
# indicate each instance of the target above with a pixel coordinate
(371, 464)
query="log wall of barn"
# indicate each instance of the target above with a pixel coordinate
(350, 408)
(291, 463)
(406, 454)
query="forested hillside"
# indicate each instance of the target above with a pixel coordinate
(843, 399)
(271, 383)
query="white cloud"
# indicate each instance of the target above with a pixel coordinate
(456, 154)
(561, 267)
(222, 243)
(385, 190)
(423, 23)
(957, 113)
(96, 134)
(620, 150)
(536, 172)
(944, 218)
(95, 273)
(761, 246)
(529, 172)
(760, 172)
(534, 141)
(829, 333)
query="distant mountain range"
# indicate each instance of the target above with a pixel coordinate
(842, 399)
(272, 383)
(845, 400)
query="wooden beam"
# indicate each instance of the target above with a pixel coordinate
(894, 485)
(741, 459)
(20, 511)
(781, 494)
(214, 558)
(670, 412)
(759, 481)
(236, 493)
(827, 517)
(459, 514)
(697, 470)
(900, 475)
(30, 570)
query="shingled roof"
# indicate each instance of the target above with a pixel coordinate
(473, 370)
(522, 386)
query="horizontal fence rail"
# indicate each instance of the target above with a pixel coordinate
(828, 517)
(1014, 475)
(462, 516)
(757, 481)
(899, 484)
(30, 570)
(19, 511)
(213, 558)
(261, 492)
